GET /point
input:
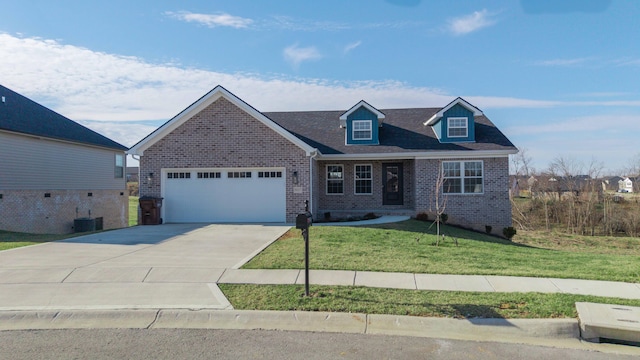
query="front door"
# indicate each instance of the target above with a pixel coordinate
(392, 184)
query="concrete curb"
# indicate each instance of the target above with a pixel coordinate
(559, 333)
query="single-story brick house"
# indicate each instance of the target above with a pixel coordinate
(221, 160)
(54, 171)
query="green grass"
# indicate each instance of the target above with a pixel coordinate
(409, 302)
(133, 210)
(10, 240)
(409, 246)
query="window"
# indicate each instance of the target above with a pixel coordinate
(462, 177)
(335, 177)
(363, 179)
(119, 169)
(458, 127)
(209, 175)
(361, 130)
(239, 174)
(269, 174)
(179, 175)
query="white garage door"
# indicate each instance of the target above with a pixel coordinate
(224, 195)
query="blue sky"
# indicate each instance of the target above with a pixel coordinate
(559, 78)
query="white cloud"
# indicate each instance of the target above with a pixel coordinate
(351, 46)
(211, 20)
(469, 23)
(296, 55)
(561, 62)
(107, 92)
(126, 133)
(599, 124)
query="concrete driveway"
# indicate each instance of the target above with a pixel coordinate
(164, 266)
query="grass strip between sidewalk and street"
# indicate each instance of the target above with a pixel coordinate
(452, 304)
(409, 246)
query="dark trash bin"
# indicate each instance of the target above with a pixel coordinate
(150, 210)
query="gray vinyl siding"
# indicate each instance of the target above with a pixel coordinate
(29, 163)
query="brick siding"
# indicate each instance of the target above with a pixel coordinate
(349, 201)
(476, 211)
(224, 136)
(30, 211)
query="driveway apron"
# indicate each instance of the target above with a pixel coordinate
(163, 266)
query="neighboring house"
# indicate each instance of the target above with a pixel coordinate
(548, 184)
(53, 170)
(221, 160)
(625, 185)
(132, 173)
(612, 183)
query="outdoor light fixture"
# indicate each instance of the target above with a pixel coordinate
(150, 177)
(295, 177)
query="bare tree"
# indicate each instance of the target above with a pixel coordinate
(439, 198)
(521, 163)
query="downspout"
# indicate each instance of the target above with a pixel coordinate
(312, 154)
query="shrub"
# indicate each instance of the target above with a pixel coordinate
(509, 232)
(132, 188)
(370, 216)
(487, 229)
(422, 216)
(444, 218)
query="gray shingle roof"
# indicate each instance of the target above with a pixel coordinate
(402, 131)
(22, 115)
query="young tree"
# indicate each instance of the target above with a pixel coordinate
(439, 198)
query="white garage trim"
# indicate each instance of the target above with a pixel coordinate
(224, 195)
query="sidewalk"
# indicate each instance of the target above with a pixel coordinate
(410, 281)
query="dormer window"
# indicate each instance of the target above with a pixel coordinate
(361, 123)
(362, 130)
(458, 127)
(456, 122)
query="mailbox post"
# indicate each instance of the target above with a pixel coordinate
(303, 221)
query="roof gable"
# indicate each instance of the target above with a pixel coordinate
(22, 115)
(458, 101)
(206, 100)
(366, 105)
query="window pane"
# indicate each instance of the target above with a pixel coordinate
(451, 169)
(457, 127)
(334, 179)
(452, 186)
(119, 168)
(334, 187)
(363, 186)
(334, 172)
(361, 129)
(473, 185)
(363, 171)
(473, 168)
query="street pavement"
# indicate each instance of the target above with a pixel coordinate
(166, 276)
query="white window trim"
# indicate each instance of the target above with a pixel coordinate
(466, 127)
(353, 129)
(326, 183)
(123, 168)
(355, 179)
(462, 177)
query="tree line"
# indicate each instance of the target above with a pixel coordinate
(571, 197)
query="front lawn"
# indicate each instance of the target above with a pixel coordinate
(409, 246)
(453, 304)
